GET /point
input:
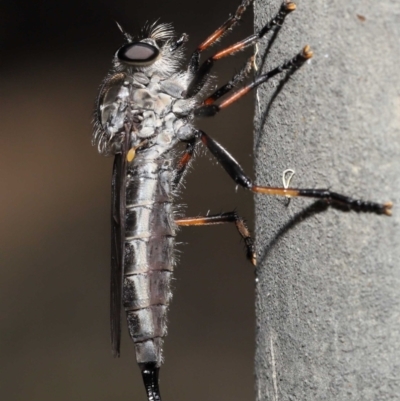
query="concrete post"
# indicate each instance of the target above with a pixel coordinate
(328, 291)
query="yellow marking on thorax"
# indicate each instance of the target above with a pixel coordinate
(132, 151)
(131, 155)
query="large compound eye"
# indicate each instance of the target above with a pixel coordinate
(138, 53)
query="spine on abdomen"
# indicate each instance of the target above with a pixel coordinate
(149, 258)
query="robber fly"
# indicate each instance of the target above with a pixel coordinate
(145, 109)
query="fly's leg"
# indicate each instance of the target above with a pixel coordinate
(216, 35)
(229, 217)
(236, 172)
(184, 161)
(278, 20)
(202, 73)
(150, 379)
(295, 63)
(236, 80)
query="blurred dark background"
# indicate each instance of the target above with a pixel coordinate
(55, 232)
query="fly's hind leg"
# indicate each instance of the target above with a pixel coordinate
(229, 217)
(233, 168)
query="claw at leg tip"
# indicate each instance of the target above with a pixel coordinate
(291, 6)
(307, 52)
(388, 208)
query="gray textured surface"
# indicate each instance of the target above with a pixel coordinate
(328, 313)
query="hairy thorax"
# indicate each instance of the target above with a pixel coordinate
(146, 109)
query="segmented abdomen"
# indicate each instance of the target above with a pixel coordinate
(149, 259)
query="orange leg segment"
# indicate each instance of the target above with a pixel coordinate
(229, 217)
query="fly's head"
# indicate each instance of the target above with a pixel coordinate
(153, 51)
(135, 101)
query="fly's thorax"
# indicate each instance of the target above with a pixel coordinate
(145, 107)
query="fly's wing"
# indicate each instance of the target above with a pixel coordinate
(117, 248)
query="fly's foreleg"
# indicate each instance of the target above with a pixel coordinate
(217, 34)
(295, 63)
(202, 73)
(278, 20)
(236, 172)
(229, 217)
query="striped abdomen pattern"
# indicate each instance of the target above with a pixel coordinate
(149, 254)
